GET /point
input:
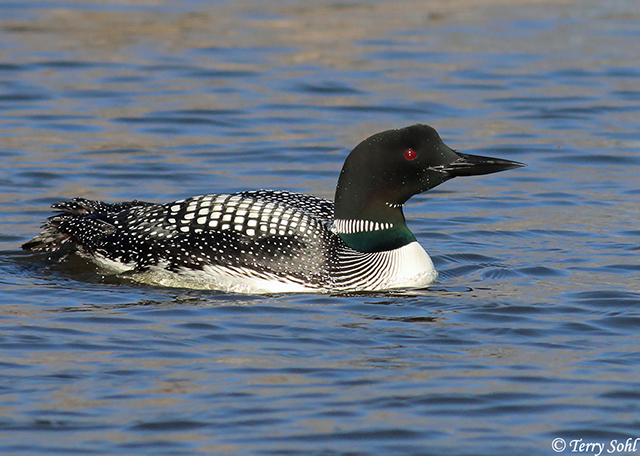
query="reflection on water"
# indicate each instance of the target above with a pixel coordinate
(528, 336)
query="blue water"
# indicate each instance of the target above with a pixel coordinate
(530, 335)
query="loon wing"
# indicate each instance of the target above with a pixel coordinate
(268, 233)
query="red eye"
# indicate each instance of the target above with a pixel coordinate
(410, 154)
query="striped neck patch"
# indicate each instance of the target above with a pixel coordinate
(341, 226)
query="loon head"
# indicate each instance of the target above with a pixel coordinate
(387, 169)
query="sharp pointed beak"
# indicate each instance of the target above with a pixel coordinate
(474, 165)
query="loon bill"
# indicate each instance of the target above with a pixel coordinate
(268, 241)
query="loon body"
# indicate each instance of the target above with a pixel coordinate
(275, 241)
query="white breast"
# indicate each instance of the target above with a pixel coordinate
(412, 267)
(405, 267)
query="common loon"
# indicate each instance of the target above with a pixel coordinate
(276, 241)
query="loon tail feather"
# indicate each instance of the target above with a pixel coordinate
(83, 206)
(60, 230)
(49, 239)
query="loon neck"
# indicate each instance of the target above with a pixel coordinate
(374, 231)
(369, 197)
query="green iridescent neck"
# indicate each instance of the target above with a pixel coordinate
(376, 240)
